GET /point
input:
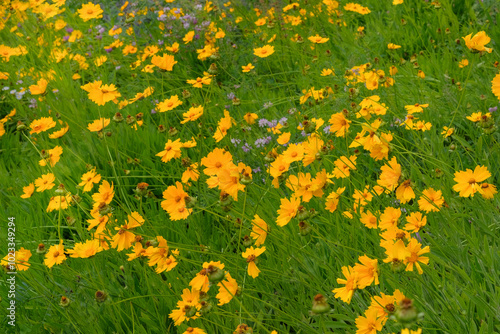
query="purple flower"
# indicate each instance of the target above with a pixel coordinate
(493, 109)
(108, 50)
(231, 96)
(69, 30)
(326, 129)
(256, 170)
(263, 122)
(246, 147)
(65, 38)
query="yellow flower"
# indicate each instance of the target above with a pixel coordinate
(88, 180)
(192, 114)
(463, 63)
(90, 11)
(392, 46)
(251, 255)
(55, 255)
(495, 86)
(98, 124)
(188, 37)
(259, 230)
(478, 42)
(28, 191)
(247, 68)
(165, 62)
(39, 88)
(52, 156)
(169, 104)
(351, 283)
(318, 39)
(45, 182)
(264, 51)
(468, 181)
(42, 124)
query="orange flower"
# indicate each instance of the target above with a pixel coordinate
(247, 68)
(172, 150)
(90, 11)
(52, 156)
(42, 124)
(259, 230)
(478, 42)
(251, 255)
(264, 51)
(88, 180)
(199, 82)
(468, 181)
(123, 239)
(192, 114)
(431, 200)
(165, 62)
(495, 86)
(339, 124)
(392, 46)
(105, 194)
(318, 39)
(28, 191)
(45, 182)
(351, 283)
(288, 210)
(39, 88)
(188, 37)
(55, 255)
(215, 161)
(98, 124)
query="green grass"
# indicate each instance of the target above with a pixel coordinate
(458, 291)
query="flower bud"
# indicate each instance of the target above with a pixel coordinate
(41, 249)
(303, 213)
(64, 301)
(100, 296)
(215, 274)
(320, 305)
(190, 201)
(118, 117)
(406, 312)
(304, 228)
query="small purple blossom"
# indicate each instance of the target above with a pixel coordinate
(493, 109)
(268, 105)
(231, 96)
(246, 147)
(261, 142)
(326, 129)
(235, 141)
(69, 30)
(263, 122)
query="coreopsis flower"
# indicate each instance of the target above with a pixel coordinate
(344, 165)
(199, 82)
(51, 156)
(368, 219)
(411, 331)
(98, 124)
(415, 251)
(362, 197)
(339, 124)
(288, 210)
(174, 48)
(55, 255)
(171, 151)
(250, 118)
(317, 39)
(175, 202)
(264, 51)
(211, 272)
(389, 218)
(416, 108)
(98, 220)
(191, 173)
(229, 180)
(283, 138)
(367, 271)
(188, 307)
(85, 250)
(105, 194)
(259, 230)
(192, 114)
(468, 181)
(188, 37)
(228, 288)
(124, 238)
(191, 330)
(139, 251)
(477, 42)
(161, 256)
(404, 192)
(488, 190)
(59, 202)
(421, 74)
(415, 222)
(42, 124)
(40, 87)
(215, 161)
(389, 178)
(294, 152)
(28, 190)
(20, 262)
(495, 86)
(141, 95)
(59, 133)
(224, 124)
(447, 131)
(396, 254)
(89, 179)
(303, 186)
(90, 11)
(392, 46)
(354, 7)
(165, 62)
(430, 200)
(463, 63)
(45, 182)
(247, 68)
(243, 329)
(370, 323)
(101, 94)
(327, 71)
(251, 255)
(312, 148)
(351, 284)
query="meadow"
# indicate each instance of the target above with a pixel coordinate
(199, 167)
